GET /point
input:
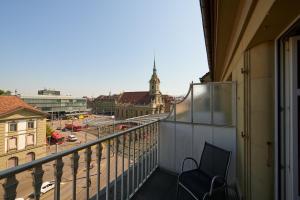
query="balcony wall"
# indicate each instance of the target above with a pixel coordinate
(206, 116)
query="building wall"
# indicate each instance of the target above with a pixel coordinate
(21, 118)
(262, 120)
(129, 111)
(104, 107)
(255, 121)
(238, 77)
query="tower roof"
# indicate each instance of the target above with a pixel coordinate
(154, 74)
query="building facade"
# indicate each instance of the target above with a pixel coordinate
(256, 44)
(105, 104)
(133, 104)
(48, 92)
(22, 132)
(57, 105)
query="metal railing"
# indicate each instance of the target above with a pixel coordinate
(138, 146)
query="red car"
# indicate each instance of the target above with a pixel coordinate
(57, 138)
(73, 127)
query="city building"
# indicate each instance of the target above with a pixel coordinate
(48, 92)
(133, 104)
(105, 104)
(22, 132)
(58, 106)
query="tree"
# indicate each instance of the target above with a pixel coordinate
(3, 92)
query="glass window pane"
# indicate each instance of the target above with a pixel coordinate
(202, 101)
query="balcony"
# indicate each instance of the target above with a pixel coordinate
(139, 163)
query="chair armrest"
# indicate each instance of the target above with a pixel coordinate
(213, 182)
(188, 158)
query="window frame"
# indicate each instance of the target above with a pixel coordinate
(11, 123)
(29, 122)
(8, 143)
(15, 158)
(26, 143)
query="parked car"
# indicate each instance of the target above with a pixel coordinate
(72, 138)
(47, 186)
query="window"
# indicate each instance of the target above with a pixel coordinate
(30, 125)
(12, 143)
(29, 140)
(12, 126)
(30, 157)
(12, 162)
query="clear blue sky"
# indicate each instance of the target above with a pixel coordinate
(91, 47)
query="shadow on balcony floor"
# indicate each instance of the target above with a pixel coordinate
(160, 186)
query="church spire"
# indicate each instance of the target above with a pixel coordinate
(154, 67)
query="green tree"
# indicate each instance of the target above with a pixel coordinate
(3, 92)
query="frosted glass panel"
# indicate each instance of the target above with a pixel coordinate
(202, 104)
(183, 110)
(222, 104)
(171, 115)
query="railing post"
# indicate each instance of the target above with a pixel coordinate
(152, 146)
(143, 155)
(107, 168)
(123, 163)
(116, 167)
(99, 155)
(37, 176)
(74, 166)
(133, 168)
(128, 171)
(10, 187)
(88, 155)
(138, 160)
(58, 166)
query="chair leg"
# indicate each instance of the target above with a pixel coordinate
(177, 191)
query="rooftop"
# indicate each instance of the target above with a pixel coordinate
(9, 104)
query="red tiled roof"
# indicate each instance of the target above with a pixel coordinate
(137, 98)
(9, 104)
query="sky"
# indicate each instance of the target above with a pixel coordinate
(93, 47)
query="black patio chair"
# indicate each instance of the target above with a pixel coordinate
(209, 179)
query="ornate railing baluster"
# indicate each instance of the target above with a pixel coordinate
(143, 156)
(74, 166)
(138, 161)
(10, 187)
(99, 155)
(150, 148)
(116, 167)
(157, 142)
(37, 176)
(107, 168)
(58, 166)
(123, 163)
(128, 170)
(88, 156)
(133, 166)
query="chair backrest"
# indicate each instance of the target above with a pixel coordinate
(214, 161)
